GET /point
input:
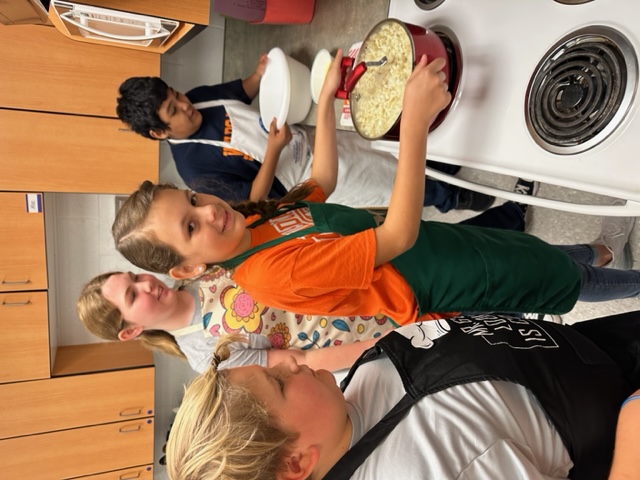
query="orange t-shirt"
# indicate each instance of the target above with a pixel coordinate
(323, 273)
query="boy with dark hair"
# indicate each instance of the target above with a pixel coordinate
(139, 102)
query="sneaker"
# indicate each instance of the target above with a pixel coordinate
(547, 317)
(476, 201)
(614, 235)
(525, 187)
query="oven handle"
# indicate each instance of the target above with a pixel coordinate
(630, 209)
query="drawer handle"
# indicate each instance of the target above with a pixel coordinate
(130, 428)
(130, 476)
(15, 304)
(131, 412)
(19, 282)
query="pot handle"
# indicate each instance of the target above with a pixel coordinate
(348, 79)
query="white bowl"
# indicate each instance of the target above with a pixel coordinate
(284, 90)
(318, 72)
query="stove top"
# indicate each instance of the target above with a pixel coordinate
(547, 91)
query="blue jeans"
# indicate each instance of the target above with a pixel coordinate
(441, 195)
(601, 284)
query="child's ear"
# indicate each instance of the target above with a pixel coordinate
(185, 272)
(159, 134)
(129, 333)
(300, 464)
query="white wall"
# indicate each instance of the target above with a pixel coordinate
(79, 233)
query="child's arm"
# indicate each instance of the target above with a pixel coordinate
(324, 169)
(626, 457)
(278, 139)
(330, 358)
(424, 96)
(251, 84)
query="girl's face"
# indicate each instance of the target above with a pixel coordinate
(202, 228)
(302, 400)
(142, 299)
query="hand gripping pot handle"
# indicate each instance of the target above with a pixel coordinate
(424, 41)
(349, 78)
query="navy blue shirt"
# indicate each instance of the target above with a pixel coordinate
(214, 170)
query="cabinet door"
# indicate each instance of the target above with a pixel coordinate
(78, 452)
(71, 153)
(23, 263)
(24, 336)
(76, 401)
(43, 70)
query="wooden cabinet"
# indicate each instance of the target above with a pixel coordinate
(24, 335)
(44, 77)
(75, 401)
(93, 418)
(44, 71)
(91, 413)
(72, 153)
(80, 451)
(23, 263)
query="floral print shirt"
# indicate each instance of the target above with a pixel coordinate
(224, 307)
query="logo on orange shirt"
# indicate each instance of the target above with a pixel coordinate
(292, 221)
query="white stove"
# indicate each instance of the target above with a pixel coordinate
(581, 127)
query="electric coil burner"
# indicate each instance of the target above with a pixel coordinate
(547, 93)
(581, 90)
(573, 2)
(429, 4)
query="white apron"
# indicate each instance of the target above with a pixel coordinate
(248, 137)
(365, 176)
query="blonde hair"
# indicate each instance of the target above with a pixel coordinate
(223, 431)
(142, 248)
(104, 320)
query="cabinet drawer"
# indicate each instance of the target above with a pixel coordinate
(144, 472)
(78, 452)
(83, 154)
(23, 263)
(24, 336)
(75, 401)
